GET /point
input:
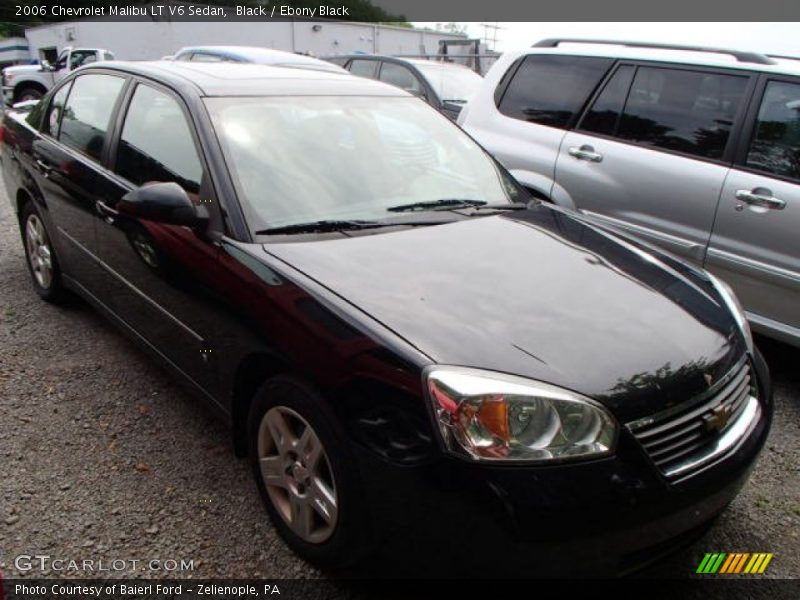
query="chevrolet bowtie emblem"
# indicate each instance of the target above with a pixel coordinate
(719, 417)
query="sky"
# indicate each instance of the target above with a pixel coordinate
(769, 38)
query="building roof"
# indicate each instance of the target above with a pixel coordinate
(247, 79)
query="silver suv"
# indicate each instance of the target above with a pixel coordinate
(695, 149)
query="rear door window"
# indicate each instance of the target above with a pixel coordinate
(52, 120)
(550, 90)
(603, 116)
(364, 68)
(691, 112)
(400, 76)
(775, 147)
(87, 113)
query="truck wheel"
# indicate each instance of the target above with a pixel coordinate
(29, 93)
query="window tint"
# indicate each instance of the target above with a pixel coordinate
(400, 76)
(156, 142)
(55, 110)
(61, 63)
(776, 143)
(78, 58)
(551, 89)
(604, 114)
(364, 68)
(203, 57)
(88, 111)
(685, 111)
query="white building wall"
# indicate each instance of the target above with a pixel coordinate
(151, 40)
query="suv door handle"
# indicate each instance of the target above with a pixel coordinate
(585, 152)
(760, 197)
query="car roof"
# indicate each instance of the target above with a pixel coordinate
(402, 59)
(780, 65)
(247, 79)
(264, 56)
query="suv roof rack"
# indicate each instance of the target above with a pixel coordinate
(784, 57)
(749, 57)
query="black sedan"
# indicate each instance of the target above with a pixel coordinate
(413, 353)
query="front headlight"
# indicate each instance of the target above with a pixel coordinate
(492, 416)
(733, 304)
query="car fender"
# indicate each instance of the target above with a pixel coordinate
(543, 186)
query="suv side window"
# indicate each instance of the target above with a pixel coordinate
(88, 111)
(156, 144)
(52, 121)
(603, 116)
(685, 111)
(364, 68)
(775, 147)
(550, 90)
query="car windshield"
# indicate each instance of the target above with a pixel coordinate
(451, 83)
(298, 160)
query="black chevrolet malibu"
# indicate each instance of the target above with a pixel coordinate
(416, 357)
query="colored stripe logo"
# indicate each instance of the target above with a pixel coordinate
(722, 563)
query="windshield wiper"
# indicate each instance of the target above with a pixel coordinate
(321, 226)
(443, 203)
(504, 206)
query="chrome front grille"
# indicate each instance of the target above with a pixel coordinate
(683, 438)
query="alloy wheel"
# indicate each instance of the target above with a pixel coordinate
(297, 474)
(40, 254)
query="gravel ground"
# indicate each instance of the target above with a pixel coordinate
(102, 455)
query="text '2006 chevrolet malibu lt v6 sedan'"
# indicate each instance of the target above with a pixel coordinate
(412, 352)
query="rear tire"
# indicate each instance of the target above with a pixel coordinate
(40, 256)
(306, 474)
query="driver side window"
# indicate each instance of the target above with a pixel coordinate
(61, 63)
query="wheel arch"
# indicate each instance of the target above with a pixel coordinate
(26, 84)
(252, 371)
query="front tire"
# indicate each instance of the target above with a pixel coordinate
(305, 473)
(40, 256)
(29, 93)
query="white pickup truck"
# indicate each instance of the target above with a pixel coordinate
(30, 82)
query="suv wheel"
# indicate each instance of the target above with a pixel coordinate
(42, 262)
(305, 474)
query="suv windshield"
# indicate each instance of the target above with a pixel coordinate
(451, 83)
(300, 160)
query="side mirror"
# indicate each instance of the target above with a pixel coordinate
(164, 203)
(46, 66)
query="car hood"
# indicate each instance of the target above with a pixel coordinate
(16, 70)
(541, 294)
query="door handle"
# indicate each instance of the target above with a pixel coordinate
(760, 197)
(585, 152)
(43, 167)
(106, 211)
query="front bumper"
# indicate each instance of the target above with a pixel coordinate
(601, 518)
